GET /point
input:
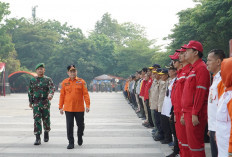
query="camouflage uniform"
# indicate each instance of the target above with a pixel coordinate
(39, 90)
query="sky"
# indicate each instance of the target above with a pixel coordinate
(157, 16)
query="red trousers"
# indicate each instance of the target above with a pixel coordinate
(195, 134)
(181, 136)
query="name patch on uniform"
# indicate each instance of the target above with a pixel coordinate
(78, 82)
(67, 84)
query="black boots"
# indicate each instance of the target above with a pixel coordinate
(80, 140)
(70, 146)
(37, 141)
(46, 136)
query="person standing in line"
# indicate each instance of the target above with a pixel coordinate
(72, 96)
(227, 96)
(157, 134)
(153, 97)
(140, 110)
(146, 97)
(224, 111)
(142, 93)
(195, 98)
(214, 60)
(162, 91)
(167, 106)
(183, 68)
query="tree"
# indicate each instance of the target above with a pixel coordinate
(137, 55)
(7, 50)
(208, 22)
(34, 43)
(103, 57)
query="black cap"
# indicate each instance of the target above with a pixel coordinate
(164, 71)
(156, 66)
(159, 70)
(71, 67)
(144, 69)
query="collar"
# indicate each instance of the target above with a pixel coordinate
(74, 79)
(41, 76)
(186, 67)
(172, 80)
(197, 62)
(217, 75)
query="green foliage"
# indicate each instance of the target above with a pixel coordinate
(130, 49)
(12, 64)
(112, 47)
(34, 43)
(209, 22)
(7, 50)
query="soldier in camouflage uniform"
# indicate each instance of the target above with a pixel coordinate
(41, 91)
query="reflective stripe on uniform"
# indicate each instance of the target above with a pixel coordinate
(191, 75)
(197, 150)
(185, 145)
(181, 77)
(202, 87)
(230, 153)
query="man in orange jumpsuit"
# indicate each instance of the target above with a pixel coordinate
(72, 96)
(195, 98)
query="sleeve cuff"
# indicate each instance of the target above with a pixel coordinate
(60, 106)
(194, 112)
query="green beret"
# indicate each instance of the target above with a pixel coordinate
(40, 65)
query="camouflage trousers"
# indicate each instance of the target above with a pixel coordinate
(41, 112)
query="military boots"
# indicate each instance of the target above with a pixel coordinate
(37, 141)
(46, 136)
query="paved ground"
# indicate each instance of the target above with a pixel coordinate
(112, 130)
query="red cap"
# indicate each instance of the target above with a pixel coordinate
(175, 56)
(181, 50)
(194, 45)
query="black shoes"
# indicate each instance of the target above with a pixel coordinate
(80, 140)
(158, 137)
(38, 140)
(70, 146)
(46, 136)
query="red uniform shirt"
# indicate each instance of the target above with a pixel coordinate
(178, 86)
(142, 91)
(196, 89)
(147, 87)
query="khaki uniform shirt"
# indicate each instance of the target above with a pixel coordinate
(154, 95)
(162, 92)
